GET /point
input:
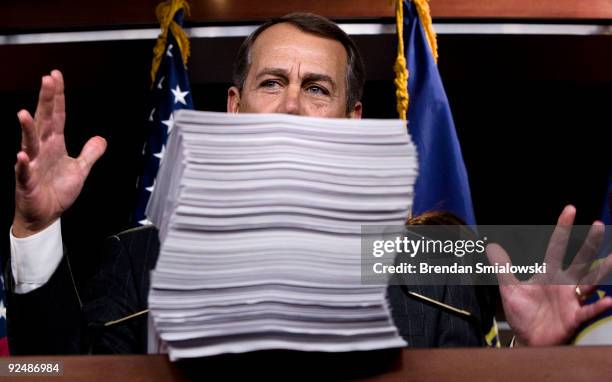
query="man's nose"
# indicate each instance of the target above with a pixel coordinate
(291, 101)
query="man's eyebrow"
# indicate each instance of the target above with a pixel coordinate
(316, 77)
(272, 72)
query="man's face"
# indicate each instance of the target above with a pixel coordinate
(293, 72)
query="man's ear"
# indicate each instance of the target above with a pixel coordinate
(233, 100)
(357, 110)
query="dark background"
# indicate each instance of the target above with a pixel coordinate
(533, 115)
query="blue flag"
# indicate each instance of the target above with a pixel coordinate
(4, 350)
(599, 330)
(606, 212)
(170, 92)
(442, 184)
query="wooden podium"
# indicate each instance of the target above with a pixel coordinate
(537, 364)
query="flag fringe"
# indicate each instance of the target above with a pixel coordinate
(400, 67)
(165, 12)
(492, 337)
(423, 10)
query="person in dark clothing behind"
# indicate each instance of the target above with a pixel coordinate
(411, 305)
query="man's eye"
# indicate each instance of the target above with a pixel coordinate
(316, 90)
(269, 84)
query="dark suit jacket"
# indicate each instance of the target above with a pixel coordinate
(57, 319)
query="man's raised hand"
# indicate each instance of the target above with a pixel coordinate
(48, 181)
(546, 310)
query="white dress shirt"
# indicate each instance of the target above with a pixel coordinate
(35, 258)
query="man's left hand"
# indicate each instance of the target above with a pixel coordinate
(547, 309)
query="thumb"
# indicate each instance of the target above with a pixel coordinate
(91, 152)
(590, 311)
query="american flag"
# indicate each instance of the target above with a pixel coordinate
(4, 350)
(170, 92)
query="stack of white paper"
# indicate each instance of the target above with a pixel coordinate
(260, 218)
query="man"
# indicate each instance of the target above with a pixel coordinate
(300, 64)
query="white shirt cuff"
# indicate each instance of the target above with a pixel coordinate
(35, 258)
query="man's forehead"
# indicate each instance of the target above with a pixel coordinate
(284, 40)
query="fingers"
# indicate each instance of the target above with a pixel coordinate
(583, 260)
(596, 275)
(559, 238)
(50, 114)
(496, 254)
(567, 216)
(59, 106)
(590, 311)
(22, 173)
(92, 151)
(44, 109)
(29, 137)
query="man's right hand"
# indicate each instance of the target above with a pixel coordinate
(48, 181)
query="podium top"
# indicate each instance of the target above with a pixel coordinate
(550, 364)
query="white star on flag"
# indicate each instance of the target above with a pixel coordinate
(160, 154)
(169, 122)
(170, 92)
(150, 189)
(2, 310)
(179, 96)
